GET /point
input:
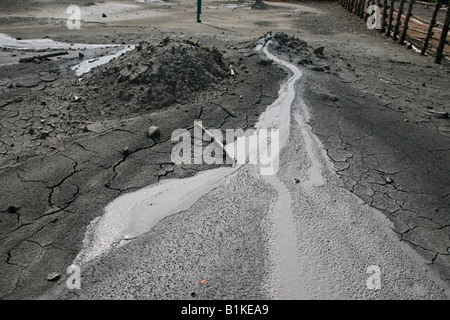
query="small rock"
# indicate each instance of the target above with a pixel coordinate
(53, 220)
(166, 40)
(319, 69)
(319, 50)
(44, 135)
(297, 181)
(104, 15)
(333, 98)
(389, 180)
(12, 209)
(53, 276)
(152, 131)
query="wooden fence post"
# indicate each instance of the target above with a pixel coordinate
(358, 8)
(430, 27)
(391, 18)
(440, 48)
(405, 25)
(398, 20)
(383, 16)
(361, 10)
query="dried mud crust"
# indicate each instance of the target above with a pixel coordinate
(386, 146)
(153, 77)
(64, 158)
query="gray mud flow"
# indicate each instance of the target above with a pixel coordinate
(294, 235)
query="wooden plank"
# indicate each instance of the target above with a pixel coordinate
(45, 56)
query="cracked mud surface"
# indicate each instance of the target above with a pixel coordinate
(62, 163)
(370, 102)
(373, 117)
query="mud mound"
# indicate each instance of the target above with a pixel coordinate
(283, 42)
(259, 5)
(152, 77)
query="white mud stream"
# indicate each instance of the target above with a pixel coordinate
(37, 47)
(322, 238)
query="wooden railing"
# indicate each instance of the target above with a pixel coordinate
(427, 35)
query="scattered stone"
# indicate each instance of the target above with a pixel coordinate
(166, 40)
(153, 131)
(12, 209)
(53, 276)
(53, 220)
(319, 69)
(216, 53)
(297, 181)
(319, 50)
(265, 62)
(304, 61)
(389, 180)
(44, 135)
(104, 15)
(80, 55)
(333, 98)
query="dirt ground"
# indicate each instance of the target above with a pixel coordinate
(379, 108)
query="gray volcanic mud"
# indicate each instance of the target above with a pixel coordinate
(327, 240)
(388, 145)
(153, 77)
(71, 146)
